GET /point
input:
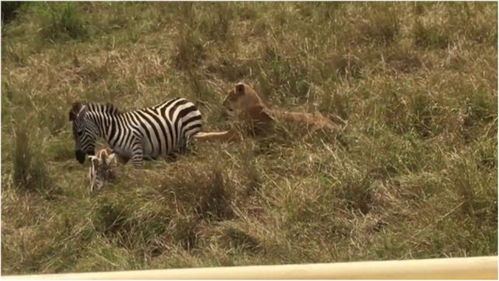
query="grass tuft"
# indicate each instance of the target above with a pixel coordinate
(209, 193)
(430, 36)
(381, 26)
(62, 22)
(10, 10)
(30, 172)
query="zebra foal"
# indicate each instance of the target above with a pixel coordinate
(141, 134)
(101, 168)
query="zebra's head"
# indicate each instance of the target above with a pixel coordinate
(84, 131)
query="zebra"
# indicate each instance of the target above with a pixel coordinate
(143, 134)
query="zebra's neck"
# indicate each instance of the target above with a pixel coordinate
(105, 117)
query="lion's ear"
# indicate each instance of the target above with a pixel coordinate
(75, 109)
(239, 88)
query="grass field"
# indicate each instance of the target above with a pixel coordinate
(413, 174)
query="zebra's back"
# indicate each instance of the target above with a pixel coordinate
(168, 126)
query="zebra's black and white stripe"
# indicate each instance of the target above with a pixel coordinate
(137, 135)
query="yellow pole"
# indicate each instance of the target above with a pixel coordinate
(446, 268)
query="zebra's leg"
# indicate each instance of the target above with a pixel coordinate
(138, 156)
(185, 145)
(171, 157)
(95, 174)
(182, 146)
(92, 176)
(189, 145)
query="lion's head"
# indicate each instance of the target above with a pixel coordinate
(244, 103)
(242, 97)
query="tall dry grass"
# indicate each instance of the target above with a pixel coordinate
(412, 175)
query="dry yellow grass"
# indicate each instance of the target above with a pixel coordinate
(412, 175)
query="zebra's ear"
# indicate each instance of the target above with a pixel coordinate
(76, 108)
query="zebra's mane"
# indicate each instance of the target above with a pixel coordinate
(100, 107)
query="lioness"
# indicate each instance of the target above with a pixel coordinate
(247, 106)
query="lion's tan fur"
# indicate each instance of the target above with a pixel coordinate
(249, 107)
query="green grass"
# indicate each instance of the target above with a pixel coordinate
(412, 175)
